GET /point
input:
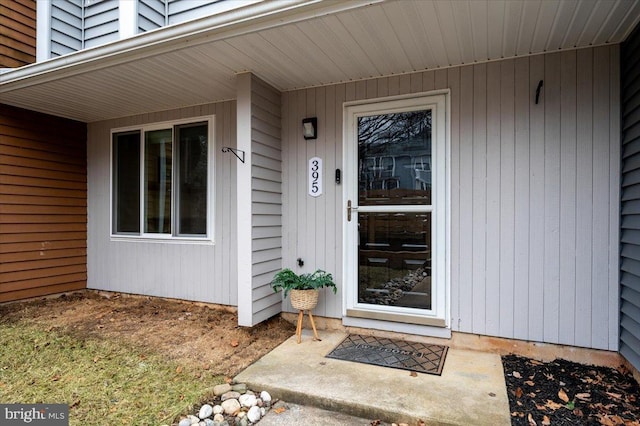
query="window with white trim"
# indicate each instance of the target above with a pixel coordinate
(162, 180)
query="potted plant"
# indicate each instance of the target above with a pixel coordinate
(304, 288)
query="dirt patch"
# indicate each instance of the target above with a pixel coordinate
(566, 393)
(196, 335)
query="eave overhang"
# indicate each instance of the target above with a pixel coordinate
(302, 43)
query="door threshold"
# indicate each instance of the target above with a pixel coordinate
(396, 317)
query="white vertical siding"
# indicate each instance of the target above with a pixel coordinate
(266, 198)
(533, 224)
(185, 271)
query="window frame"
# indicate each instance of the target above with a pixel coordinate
(208, 238)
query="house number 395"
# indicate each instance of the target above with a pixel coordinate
(315, 176)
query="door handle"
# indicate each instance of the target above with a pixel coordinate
(349, 209)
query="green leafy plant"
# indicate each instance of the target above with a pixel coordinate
(287, 280)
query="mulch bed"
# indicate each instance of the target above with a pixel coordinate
(566, 393)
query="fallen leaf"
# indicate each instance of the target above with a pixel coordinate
(617, 420)
(413, 374)
(531, 421)
(553, 405)
(492, 394)
(529, 383)
(563, 395)
(516, 375)
(546, 421)
(228, 380)
(519, 393)
(585, 396)
(55, 378)
(279, 410)
(548, 376)
(234, 343)
(535, 362)
(578, 412)
(606, 421)
(541, 407)
(614, 395)
(531, 395)
(179, 369)
(96, 359)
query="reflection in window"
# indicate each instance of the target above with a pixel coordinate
(169, 169)
(192, 180)
(157, 194)
(394, 259)
(126, 182)
(394, 156)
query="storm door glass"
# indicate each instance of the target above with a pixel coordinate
(394, 209)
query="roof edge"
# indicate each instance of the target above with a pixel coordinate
(235, 22)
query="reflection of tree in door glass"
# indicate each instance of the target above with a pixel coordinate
(394, 156)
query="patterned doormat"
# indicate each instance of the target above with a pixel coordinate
(412, 356)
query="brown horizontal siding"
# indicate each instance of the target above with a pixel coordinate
(33, 284)
(36, 292)
(17, 33)
(43, 208)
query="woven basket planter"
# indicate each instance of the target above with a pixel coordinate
(304, 300)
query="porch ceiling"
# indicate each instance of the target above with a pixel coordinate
(311, 44)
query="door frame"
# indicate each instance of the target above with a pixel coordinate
(439, 316)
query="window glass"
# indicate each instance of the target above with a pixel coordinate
(394, 156)
(157, 181)
(126, 182)
(161, 181)
(192, 179)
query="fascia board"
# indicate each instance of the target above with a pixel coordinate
(255, 17)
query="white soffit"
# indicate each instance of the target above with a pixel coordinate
(328, 46)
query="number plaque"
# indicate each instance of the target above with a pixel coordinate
(315, 176)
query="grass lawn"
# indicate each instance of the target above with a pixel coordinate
(105, 381)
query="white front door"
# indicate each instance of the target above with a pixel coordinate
(396, 210)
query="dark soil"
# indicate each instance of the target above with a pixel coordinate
(566, 393)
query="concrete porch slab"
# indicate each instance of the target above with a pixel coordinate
(471, 389)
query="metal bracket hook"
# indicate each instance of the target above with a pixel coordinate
(235, 152)
(538, 91)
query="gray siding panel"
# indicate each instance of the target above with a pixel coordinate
(200, 272)
(266, 197)
(151, 15)
(534, 190)
(630, 207)
(66, 27)
(184, 10)
(100, 22)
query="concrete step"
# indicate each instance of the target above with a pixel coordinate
(470, 391)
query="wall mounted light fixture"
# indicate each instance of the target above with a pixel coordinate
(310, 128)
